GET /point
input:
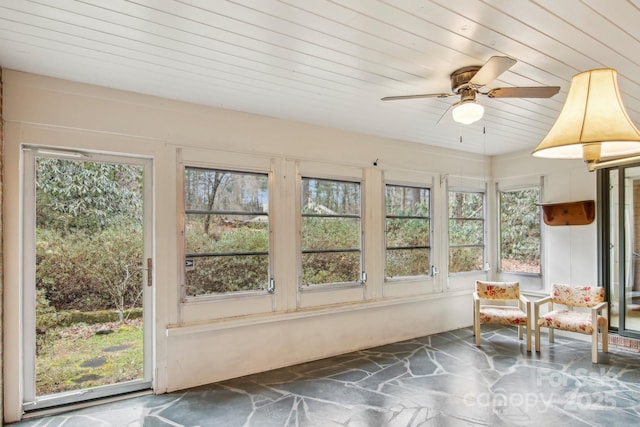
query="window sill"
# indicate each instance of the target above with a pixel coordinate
(189, 328)
(424, 279)
(202, 299)
(329, 287)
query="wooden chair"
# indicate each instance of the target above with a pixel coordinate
(568, 319)
(506, 314)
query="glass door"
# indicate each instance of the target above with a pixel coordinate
(621, 230)
(87, 276)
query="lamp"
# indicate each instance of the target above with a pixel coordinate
(467, 111)
(593, 123)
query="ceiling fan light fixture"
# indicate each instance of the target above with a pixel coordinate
(467, 112)
(593, 123)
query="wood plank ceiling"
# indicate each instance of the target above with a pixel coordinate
(328, 62)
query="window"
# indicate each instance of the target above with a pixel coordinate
(331, 230)
(226, 231)
(520, 230)
(407, 231)
(466, 231)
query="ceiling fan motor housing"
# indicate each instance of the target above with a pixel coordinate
(460, 78)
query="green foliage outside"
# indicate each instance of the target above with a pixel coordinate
(331, 228)
(232, 273)
(226, 231)
(466, 259)
(86, 196)
(337, 267)
(89, 272)
(330, 233)
(46, 321)
(404, 263)
(520, 230)
(88, 240)
(88, 234)
(407, 231)
(466, 231)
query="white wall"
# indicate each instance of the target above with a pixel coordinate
(204, 342)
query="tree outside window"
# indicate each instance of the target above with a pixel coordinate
(407, 231)
(226, 231)
(466, 231)
(520, 230)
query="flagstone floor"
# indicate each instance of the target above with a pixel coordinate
(438, 380)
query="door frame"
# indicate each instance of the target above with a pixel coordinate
(31, 402)
(616, 240)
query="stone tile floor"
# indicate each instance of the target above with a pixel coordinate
(438, 380)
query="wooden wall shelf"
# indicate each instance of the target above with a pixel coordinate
(569, 213)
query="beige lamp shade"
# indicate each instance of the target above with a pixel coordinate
(593, 123)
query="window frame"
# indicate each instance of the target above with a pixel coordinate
(483, 245)
(220, 306)
(499, 190)
(418, 277)
(268, 288)
(313, 287)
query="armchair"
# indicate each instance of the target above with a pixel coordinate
(568, 319)
(506, 314)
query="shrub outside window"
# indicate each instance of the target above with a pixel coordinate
(520, 230)
(331, 231)
(466, 231)
(407, 231)
(226, 231)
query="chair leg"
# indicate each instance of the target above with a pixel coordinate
(594, 346)
(520, 329)
(551, 337)
(529, 338)
(474, 318)
(605, 339)
(536, 314)
(476, 321)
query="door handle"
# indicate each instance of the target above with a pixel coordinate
(149, 272)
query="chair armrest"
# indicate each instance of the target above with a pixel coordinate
(599, 307)
(524, 304)
(544, 300)
(476, 297)
(536, 308)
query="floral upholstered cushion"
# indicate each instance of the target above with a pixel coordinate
(498, 290)
(503, 315)
(577, 296)
(570, 321)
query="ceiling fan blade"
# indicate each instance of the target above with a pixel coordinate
(447, 113)
(523, 92)
(424, 95)
(495, 66)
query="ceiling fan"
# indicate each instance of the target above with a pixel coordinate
(467, 82)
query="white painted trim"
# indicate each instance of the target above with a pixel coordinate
(224, 324)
